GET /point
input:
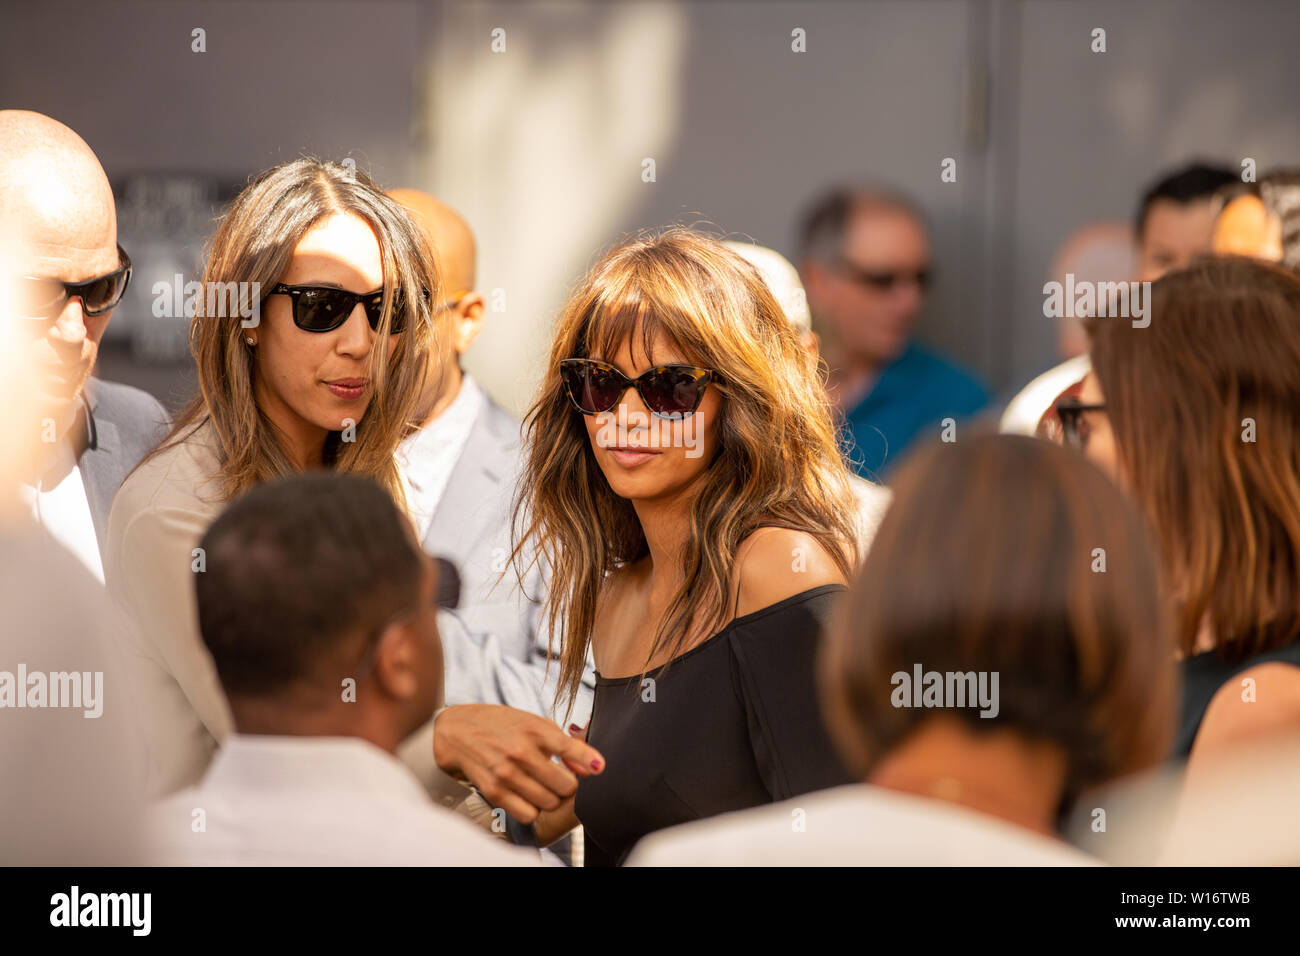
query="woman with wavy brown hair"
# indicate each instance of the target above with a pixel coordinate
(1198, 415)
(685, 487)
(311, 335)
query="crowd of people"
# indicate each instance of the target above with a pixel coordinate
(756, 580)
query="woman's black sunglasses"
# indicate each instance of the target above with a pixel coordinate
(322, 309)
(1070, 411)
(669, 391)
(42, 299)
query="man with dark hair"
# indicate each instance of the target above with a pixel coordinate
(318, 607)
(1175, 218)
(864, 257)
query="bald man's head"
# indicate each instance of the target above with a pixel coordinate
(54, 189)
(450, 236)
(52, 181)
(453, 249)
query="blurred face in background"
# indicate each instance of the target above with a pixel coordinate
(1174, 234)
(870, 298)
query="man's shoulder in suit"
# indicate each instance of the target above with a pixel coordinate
(140, 419)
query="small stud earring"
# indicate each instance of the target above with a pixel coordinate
(249, 340)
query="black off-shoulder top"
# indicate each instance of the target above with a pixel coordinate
(732, 723)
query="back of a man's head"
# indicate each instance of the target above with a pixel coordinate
(301, 576)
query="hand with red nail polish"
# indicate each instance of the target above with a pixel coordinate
(508, 753)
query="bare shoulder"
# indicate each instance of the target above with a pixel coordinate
(776, 563)
(1259, 701)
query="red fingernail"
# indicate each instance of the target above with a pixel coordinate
(595, 765)
(573, 727)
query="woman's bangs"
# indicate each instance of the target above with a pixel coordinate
(629, 309)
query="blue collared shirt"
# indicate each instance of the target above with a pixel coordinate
(910, 399)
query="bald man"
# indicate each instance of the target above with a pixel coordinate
(461, 469)
(69, 276)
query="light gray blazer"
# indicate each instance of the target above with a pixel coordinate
(495, 643)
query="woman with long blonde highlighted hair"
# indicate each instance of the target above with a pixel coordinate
(312, 336)
(685, 487)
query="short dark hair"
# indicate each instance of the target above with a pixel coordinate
(1186, 184)
(986, 562)
(295, 568)
(821, 234)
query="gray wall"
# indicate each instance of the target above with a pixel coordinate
(542, 146)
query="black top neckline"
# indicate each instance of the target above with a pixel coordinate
(730, 625)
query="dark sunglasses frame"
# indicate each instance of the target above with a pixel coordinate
(884, 281)
(701, 379)
(77, 290)
(344, 302)
(1070, 412)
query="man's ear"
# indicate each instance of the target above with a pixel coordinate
(397, 662)
(467, 321)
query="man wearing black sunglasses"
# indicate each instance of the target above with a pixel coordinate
(66, 280)
(865, 261)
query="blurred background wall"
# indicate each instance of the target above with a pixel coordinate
(543, 142)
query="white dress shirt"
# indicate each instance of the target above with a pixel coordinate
(59, 504)
(315, 801)
(854, 825)
(427, 457)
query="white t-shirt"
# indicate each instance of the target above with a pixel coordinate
(854, 825)
(59, 504)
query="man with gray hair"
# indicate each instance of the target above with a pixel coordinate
(865, 260)
(67, 280)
